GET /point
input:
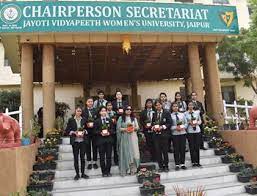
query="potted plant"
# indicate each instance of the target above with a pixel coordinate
(226, 126)
(151, 188)
(157, 127)
(151, 167)
(232, 124)
(214, 142)
(210, 129)
(35, 184)
(224, 148)
(148, 124)
(105, 128)
(35, 128)
(146, 175)
(229, 158)
(37, 193)
(25, 138)
(43, 175)
(45, 163)
(90, 122)
(252, 187)
(130, 128)
(238, 166)
(246, 174)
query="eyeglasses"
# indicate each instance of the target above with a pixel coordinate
(128, 109)
(79, 111)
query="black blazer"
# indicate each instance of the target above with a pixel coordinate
(86, 116)
(72, 126)
(144, 118)
(98, 129)
(115, 105)
(165, 120)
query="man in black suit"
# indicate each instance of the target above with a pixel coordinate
(199, 106)
(104, 131)
(119, 104)
(161, 125)
(78, 139)
(90, 115)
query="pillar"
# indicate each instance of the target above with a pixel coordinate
(214, 83)
(188, 86)
(27, 102)
(48, 88)
(195, 71)
(207, 89)
(134, 96)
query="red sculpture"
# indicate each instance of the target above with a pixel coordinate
(253, 117)
(9, 132)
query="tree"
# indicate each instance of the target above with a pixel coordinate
(238, 55)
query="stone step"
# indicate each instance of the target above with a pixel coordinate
(116, 179)
(64, 165)
(69, 155)
(209, 181)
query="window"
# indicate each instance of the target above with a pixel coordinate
(185, 1)
(228, 93)
(220, 1)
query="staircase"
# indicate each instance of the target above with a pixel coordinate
(213, 176)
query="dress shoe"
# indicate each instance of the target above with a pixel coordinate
(203, 148)
(95, 166)
(89, 166)
(198, 165)
(76, 177)
(160, 170)
(183, 167)
(194, 164)
(104, 175)
(166, 169)
(84, 176)
(177, 167)
(109, 175)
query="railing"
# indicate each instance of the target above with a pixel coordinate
(235, 117)
(13, 113)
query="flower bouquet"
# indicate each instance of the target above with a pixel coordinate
(148, 124)
(120, 111)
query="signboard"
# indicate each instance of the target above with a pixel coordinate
(89, 16)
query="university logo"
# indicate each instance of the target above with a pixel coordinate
(227, 18)
(10, 14)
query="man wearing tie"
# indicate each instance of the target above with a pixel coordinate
(89, 114)
(199, 106)
(100, 101)
(119, 104)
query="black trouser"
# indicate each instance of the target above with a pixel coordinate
(91, 141)
(201, 136)
(194, 140)
(114, 145)
(150, 144)
(161, 150)
(79, 148)
(179, 145)
(105, 151)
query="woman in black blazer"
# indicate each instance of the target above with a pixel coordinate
(104, 140)
(78, 139)
(146, 118)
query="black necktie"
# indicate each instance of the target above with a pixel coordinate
(159, 116)
(104, 120)
(192, 115)
(177, 118)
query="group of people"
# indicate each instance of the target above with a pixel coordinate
(108, 127)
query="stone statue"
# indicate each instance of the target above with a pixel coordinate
(253, 117)
(9, 131)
